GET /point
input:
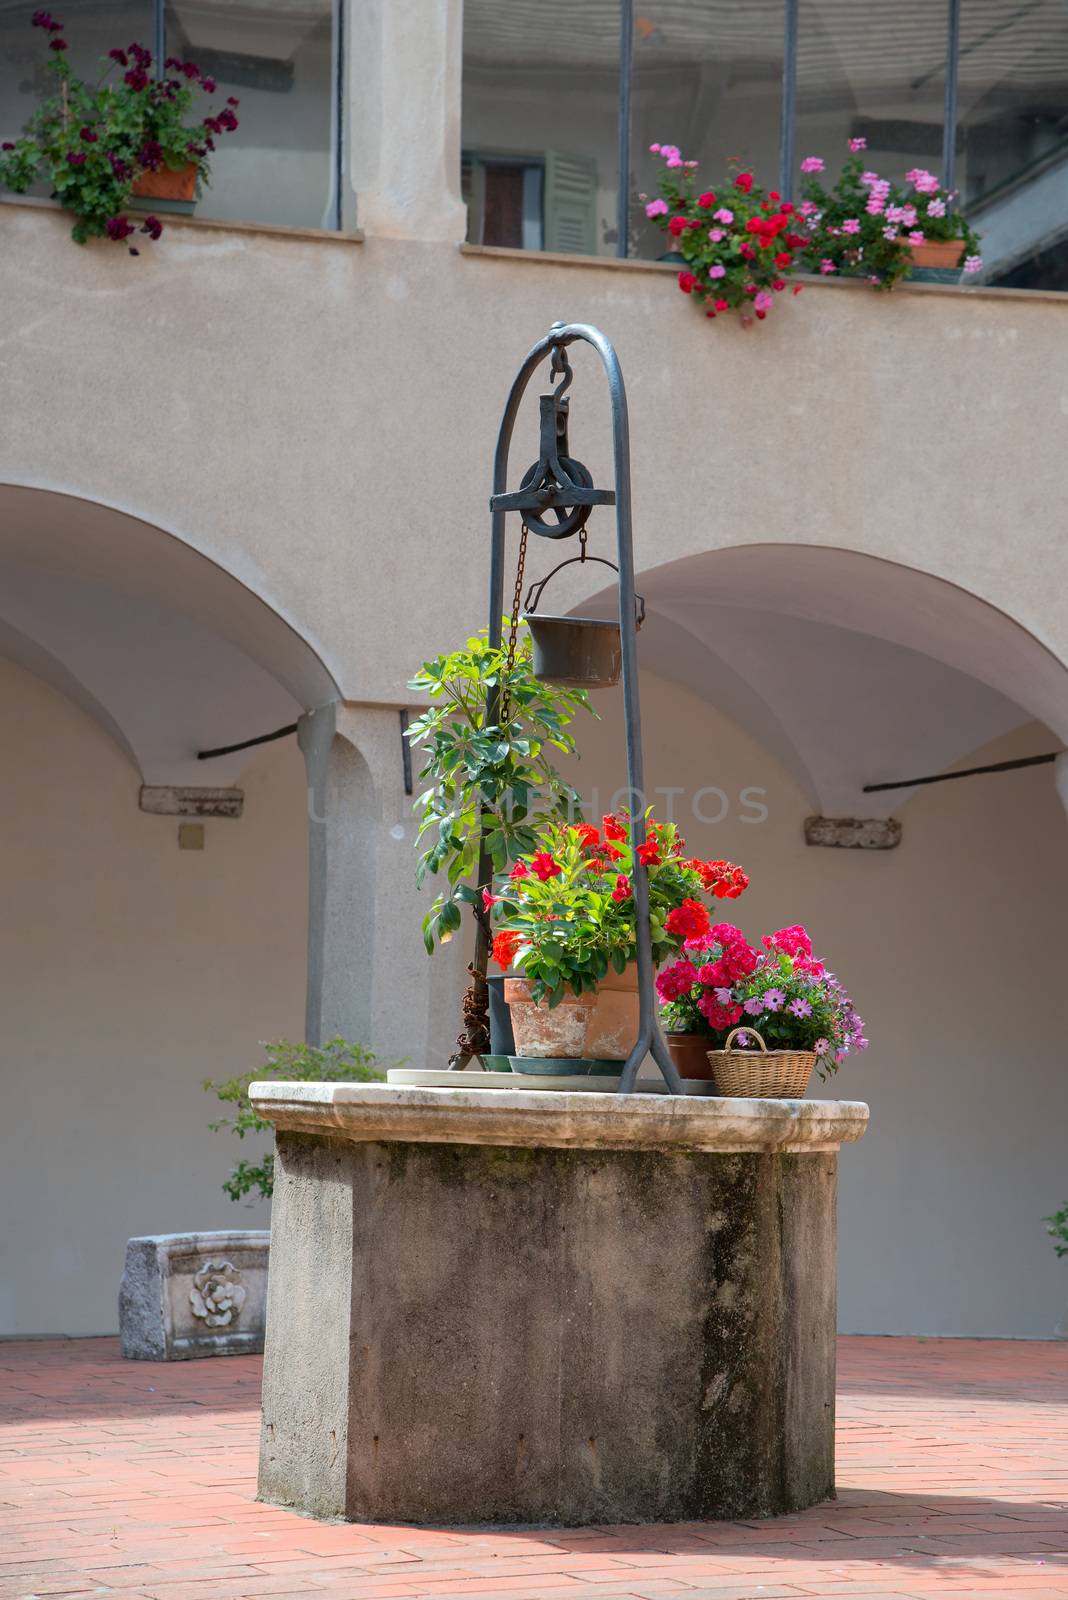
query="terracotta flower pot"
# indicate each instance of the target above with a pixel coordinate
(168, 183)
(590, 1027)
(689, 1051)
(938, 253)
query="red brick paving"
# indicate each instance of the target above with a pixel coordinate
(136, 1480)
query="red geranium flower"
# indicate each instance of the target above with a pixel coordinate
(688, 921)
(505, 946)
(614, 828)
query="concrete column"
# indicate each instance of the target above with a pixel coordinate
(369, 978)
(405, 61)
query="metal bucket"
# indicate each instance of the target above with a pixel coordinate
(576, 651)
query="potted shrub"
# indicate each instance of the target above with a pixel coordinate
(738, 242)
(866, 225)
(763, 1019)
(567, 927)
(1057, 1228)
(336, 1061)
(129, 134)
(488, 738)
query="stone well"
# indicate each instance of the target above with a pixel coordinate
(517, 1306)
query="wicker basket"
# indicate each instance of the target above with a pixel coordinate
(760, 1074)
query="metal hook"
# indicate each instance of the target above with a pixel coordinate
(560, 364)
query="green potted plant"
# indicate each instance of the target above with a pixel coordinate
(336, 1061)
(779, 1006)
(130, 134)
(1057, 1228)
(865, 225)
(566, 923)
(489, 738)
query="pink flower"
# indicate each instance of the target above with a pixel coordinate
(723, 215)
(923, 181)
(762, 302)
(858, 144)
(718, 271)
(715, 235)
(889, 233)
(851, 225)
(916, 236)
(676, 980)
(806, 208)
(655, 149)
(972, 264)
(670, 153)
(656, 208)
(812, 164)
(827, 266)
(937, 208)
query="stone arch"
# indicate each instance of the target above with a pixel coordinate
(853, 669)
(168, 650)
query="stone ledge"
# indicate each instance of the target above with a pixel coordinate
(529, 1118)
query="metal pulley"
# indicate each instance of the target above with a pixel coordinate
(556, 494)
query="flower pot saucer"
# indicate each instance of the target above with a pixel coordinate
(564, 1067)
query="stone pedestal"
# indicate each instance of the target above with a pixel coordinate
(511, 1306)
(194, 1294)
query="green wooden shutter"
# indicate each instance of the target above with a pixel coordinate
(570, 204)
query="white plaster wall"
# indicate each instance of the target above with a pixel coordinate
(318, 416)
(130, 971)
(952, 946)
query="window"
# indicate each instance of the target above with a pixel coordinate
(1012, 138)
(707, 77)
(562, 96)
(277, 57)
(541, 124)
(872, 71)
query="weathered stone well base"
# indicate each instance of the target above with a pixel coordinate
(478, 1333)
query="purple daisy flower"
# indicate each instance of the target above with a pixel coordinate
(800, 1008)
(774, 999)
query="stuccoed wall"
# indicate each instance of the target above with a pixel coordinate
(319, 415)
(951, 946)
(132, 970)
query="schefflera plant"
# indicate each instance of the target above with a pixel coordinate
(489, 739)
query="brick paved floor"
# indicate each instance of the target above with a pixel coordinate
(136, 1481)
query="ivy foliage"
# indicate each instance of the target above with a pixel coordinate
(488, 739)
(336, 1061)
